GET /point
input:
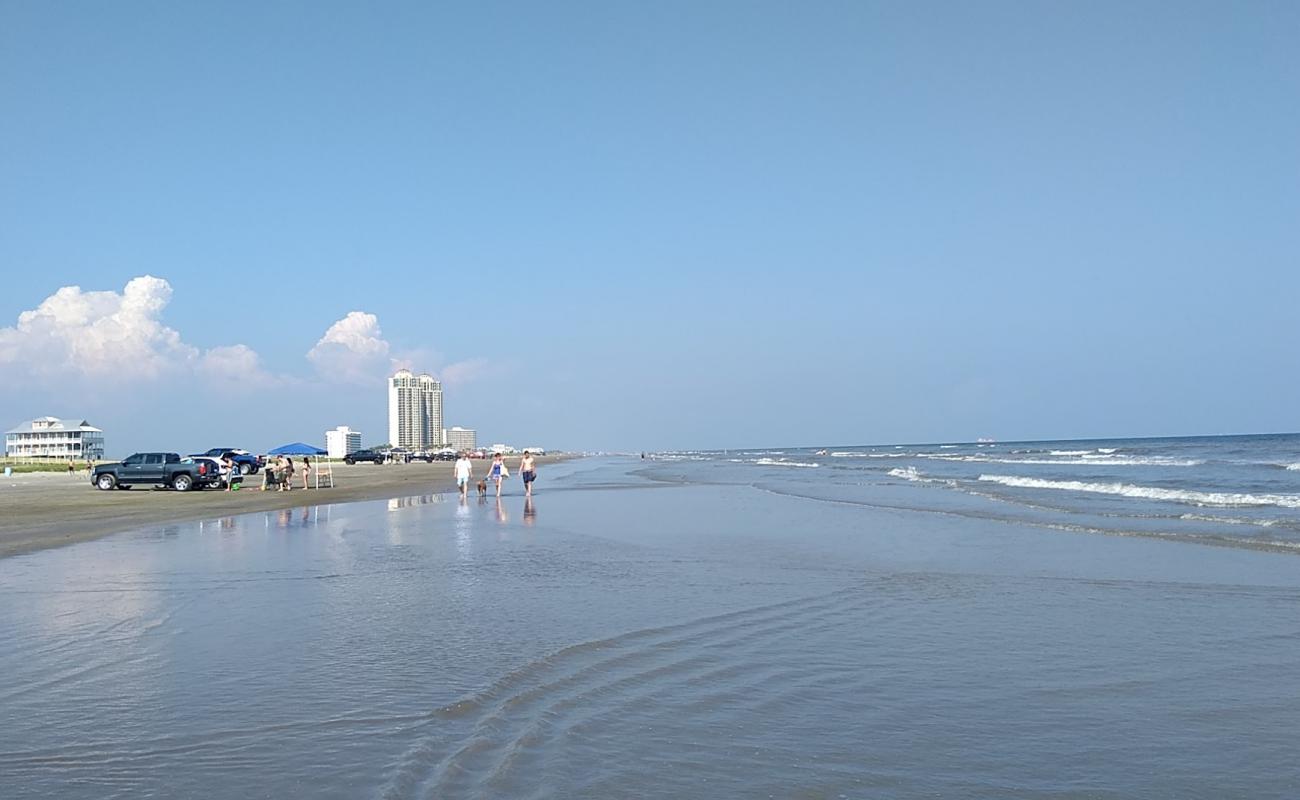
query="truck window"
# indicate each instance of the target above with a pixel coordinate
(153, 458)
(173, 457)
(134, 459)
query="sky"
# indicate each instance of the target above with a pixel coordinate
(645, 226)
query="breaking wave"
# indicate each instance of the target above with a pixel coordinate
(778, 462)
(1221, 499)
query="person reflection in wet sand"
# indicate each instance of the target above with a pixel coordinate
(502, 516)
(530, 511)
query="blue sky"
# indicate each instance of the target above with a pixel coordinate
(652, 225)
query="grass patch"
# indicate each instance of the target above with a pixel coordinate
(22, 468)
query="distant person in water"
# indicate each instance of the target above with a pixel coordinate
(464, 471)
(528, 471)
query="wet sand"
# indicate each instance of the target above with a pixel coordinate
(43, 510)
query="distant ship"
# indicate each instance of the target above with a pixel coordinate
(985, 440)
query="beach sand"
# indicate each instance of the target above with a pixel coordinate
(44, 510)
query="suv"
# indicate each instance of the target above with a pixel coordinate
(209, 472)
(152, 469)
(372, 456)
(248, 463)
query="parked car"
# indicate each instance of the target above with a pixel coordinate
(151, 469)
(209, 472)
(248, 463)
(373, 456)
(443, 455)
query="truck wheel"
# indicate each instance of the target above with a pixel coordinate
(245, 469)
(348, 461)
(105, 482)
(182, 483)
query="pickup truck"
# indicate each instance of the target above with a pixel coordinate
(248, 463)
(154, 469)
(364, 455)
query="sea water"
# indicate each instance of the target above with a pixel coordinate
(687, 625)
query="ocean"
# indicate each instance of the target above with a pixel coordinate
(1233, 491)
(1037, 620)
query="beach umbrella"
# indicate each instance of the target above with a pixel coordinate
(296, 449)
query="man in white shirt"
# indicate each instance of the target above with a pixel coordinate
(464, 471)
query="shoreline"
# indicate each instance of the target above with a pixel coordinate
(41, 511)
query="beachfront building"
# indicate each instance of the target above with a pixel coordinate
(342, 441)
(414, 411)
(460, 438)
(51, 437)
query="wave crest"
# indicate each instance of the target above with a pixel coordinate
(1220, 499)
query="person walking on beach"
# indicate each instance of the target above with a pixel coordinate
(306, 472)
(464, 471)
(72, 469)
(498, 471)
(528, 471)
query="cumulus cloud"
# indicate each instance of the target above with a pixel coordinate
(116, 337)
(352, 349)
(98, 334)
(236, 363)
(463, 372)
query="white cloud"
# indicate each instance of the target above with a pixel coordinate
(236, 363)
(112, 338)
(98, 334)
(463, 372)
(116, 337)
(353, 349)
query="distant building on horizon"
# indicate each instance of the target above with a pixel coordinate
(342, 441)
(414, 411)
(461, 438)
(51, 437)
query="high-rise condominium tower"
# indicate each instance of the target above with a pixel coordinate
(414, 411)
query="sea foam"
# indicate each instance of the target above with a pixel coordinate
(1222, 499)
(772, 462)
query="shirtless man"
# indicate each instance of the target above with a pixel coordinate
(528, 471)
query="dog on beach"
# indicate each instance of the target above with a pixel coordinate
(482, 488)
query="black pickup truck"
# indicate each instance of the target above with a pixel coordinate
(156, 469)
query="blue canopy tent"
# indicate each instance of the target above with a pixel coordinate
(296, 449)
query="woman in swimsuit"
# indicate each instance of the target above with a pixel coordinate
(498, 471)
